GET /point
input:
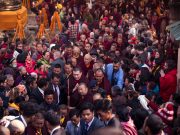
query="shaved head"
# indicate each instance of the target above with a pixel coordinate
(87, 59)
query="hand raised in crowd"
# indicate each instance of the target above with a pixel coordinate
(7, 93)
(162, 73)
(76, 87)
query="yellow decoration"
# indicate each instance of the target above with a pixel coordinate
(9, 18)
(26, 3)
(62, 120)
(59, 6)
(41, 31)
(19, 29)
(55, 18)
(13, 105)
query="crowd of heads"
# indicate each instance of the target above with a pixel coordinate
(111, 70)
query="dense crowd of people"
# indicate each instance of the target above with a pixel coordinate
(112, 70)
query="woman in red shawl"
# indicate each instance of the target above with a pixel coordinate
(168, 80)
(29, 64)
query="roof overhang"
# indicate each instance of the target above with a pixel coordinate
(174, 30)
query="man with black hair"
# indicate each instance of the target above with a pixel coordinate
(104, 110)
(115, 73)
(127, 124)
(31, 84)
(153, 125)
(37, 127)
(138, 116)
(139, 61)
(57, 69)
(49, 103)
(68, 51)
(89, 122)
(38, 53)
(73, 126)
(28, 110)
(53, 123)
(18, 50)
(68, 68)
(37, 95)
(140, 49)
(59, 93)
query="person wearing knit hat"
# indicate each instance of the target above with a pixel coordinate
(166, 112)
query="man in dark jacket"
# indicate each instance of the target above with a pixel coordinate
(58, 91)
(49, 103)
(53, 123)
(37, 95)
(89, 122)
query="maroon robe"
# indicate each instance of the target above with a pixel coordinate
(74, 95)
(30, 130)
(84, 68)
(107, 45)
(105, 84)
(86, 98)
(80, 59)
(67, 56)
(90, 75)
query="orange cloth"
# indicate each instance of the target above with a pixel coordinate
(19, 29)
(9, 19)
(26, 3)
(38, 3)
(41, 31)
(55, 19)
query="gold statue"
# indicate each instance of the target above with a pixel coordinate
(10, 5)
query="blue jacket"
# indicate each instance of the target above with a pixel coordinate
(118, 75)
(96, 124)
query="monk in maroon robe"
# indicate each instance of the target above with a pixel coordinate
(84, 94)
(87, 64)
(77, 54)
(102, 81)
(73, 84)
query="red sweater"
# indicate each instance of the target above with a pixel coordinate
(168, 84)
